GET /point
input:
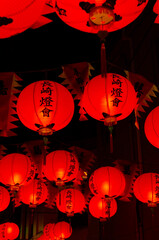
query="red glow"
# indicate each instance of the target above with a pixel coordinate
(145, 188)
(99, 207)
(9, 231)
(16, 169)
(100, 97)
(152, 127)
(44, 103)
(78, 18)
(4, 198)
(107, 181)
(62, 230)
(70, 201)
(58, 166)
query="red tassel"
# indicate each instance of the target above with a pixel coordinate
(111, 138)
(103, 60)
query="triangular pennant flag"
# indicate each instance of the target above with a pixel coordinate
(156, 7)
(48, 9)
(41, 22)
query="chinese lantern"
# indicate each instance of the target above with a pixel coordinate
(48, 231)
(45, 106)
(152, 127)
(16, 170)
(107, 182)
(102, 208)
(94, 15)
(34, 193)
(61, 166)
(62, 230)
(4, 198)
(16, 16)
(70, 201)
(109, 99)
(9, 230)
(146, 188)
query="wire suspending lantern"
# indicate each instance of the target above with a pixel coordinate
(146, 189)
(151, 127)
(4, 198)
(16, 170)
(107, 182)
(16, 16)
(9, 230)
(62, 230)
(109, 99)
(102, 208)
(61, 166)
(70, 201)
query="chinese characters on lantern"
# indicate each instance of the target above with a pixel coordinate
(46, 101)
(72, 166)
(69, 200)
(157, 186)
(116, 92)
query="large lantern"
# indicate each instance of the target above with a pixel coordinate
(34, 193)
(45, 106)
(61, 166)
(4, 198)
(9, 231)
(152, 127)
(107, 182)
(62, 230)
(102, 208)
(94, 15)
(109, 99)
(16, 170)
(70, 201)
(146, 188)
(16, 16)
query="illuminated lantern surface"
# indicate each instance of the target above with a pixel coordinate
(34, 193)
(61, 166)
(146, 188)
(4, 198)
(70, 201)
(45, 106)
(107, 182)
(112, 96)
(16, 170)
(16, 15)
(9, 231)
(48, 231)
(62, 230)
(102, 208)
(152, 127)
(94, 15)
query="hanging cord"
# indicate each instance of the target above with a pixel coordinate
(102, 35)
(45, 140)
(111, 138)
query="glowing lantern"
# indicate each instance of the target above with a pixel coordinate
(70, 201)
(146, 188)
(109, 99)
(4, 198)
(16, 170)
(61, 166)
(152, 127)
(62, 230)
(48, 231)
(107, 182)
(94, 15)
(34, 193)
(9, 230)
(45, 106)
(16, 15)
(102, 208)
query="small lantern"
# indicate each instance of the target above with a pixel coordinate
(62, 230)
(4, 198)
(9, 231)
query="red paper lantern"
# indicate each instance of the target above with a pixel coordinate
(102, 208)
(70, 201)
(34, 193)
(146, 188)
(62, 230)
(48, 231)
(45, 106)
(152, 127)
(4, 198)
(16, 170)
(107, 182)
(109, 99)
(94, 15)
(17, 15)
(9, 231)
(61, 166)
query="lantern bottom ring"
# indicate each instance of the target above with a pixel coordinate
(70, 214)
(45, 131)
(152, 204)
(59, 182)
(101, 16)
(110, 121)
(14, 187)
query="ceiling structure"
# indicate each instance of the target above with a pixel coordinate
(39, 54)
